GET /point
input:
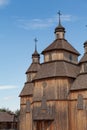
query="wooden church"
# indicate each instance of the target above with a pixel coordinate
(54, 96)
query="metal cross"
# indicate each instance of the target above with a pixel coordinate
(59, 15)
(35, 43)
(35, 40)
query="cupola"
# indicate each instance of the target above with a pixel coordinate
(35, 55)
(60, 30)
(85, 47)
(35, 65)
(83, 61)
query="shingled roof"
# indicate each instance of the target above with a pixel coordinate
(84, 58)
(6, 117)
(57, 68)
(27, 89)
(80, 83)
(61, 44)
(34, 67)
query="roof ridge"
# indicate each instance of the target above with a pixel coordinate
(79, 83)
(61, 44)
(83, 58)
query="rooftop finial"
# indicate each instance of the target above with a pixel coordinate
(59, 30)
(35, 40)
(35, 55)
(59, 13)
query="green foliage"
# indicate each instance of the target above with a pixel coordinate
(17, 112)
(5, 110)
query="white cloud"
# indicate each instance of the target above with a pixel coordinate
(8, 98)
(66, 17)
(4, 87)
(40, 23)
(33, 24)
(4, 2)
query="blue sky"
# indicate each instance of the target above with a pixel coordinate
(23, 20)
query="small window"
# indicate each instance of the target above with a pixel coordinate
(85, 67)
(57, 36)
(82, 68)
(28, 106)
(29, 77)
(70, 57)
(50, 57)
(80, 102)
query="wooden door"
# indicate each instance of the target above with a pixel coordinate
(42, 125)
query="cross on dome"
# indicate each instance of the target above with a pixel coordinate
(35, 40)
(59, 13)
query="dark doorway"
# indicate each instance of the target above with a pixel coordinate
(42, 125)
